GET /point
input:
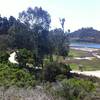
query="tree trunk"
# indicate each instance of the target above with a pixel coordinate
(51, 58)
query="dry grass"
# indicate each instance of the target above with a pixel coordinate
(14, 93)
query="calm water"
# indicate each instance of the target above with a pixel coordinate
(85, 45)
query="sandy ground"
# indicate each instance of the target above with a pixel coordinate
(94, 54)
(83, 58)
(88, 73)
(12, 58)
(85, 49)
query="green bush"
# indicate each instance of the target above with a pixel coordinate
(73, 89)
(60, 77)
(4, 56)
(24, 56)
(11, 75)
(53, 69)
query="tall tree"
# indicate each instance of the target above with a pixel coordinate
(36, 16)
(62, 22)
(38, 21)
(4, 25)
(19, 35)
(12, 20)
(58, 40)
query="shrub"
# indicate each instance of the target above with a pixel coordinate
(12, 75)
(73, 89)
(60, 77)
(4, 56)
(24, 56)
(53, 69)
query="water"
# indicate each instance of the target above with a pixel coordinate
(85, 45)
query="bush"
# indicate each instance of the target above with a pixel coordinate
(11, 75)
(53, 69)
(60, 77)
(4, 56)
(73, 89)
(24, 56)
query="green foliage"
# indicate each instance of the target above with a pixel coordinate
(60, 77)
(36, 16)
(59, 43)
(4, 56)
(50, 71)
(30, 35)
(4, 25)
(4, 43)
(31, 31)
(24, 56)
(74, 89)
(11, 75)
(70, 89)
(53, 69)
(74, 66)
(41, 47)
(19, 36)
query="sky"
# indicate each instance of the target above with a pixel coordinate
(78, 13)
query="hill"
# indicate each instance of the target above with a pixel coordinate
(85, 35)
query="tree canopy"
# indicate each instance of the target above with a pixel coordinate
(36, 16)
(31, 31)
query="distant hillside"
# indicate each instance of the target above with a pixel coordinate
(85, 35)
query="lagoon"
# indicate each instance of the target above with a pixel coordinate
(85, 45)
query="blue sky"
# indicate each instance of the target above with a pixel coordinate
(78, 13)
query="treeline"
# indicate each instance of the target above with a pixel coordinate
(31, 30)
(85, 35)
(36, 47)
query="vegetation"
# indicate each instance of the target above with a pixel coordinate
(4, 56)
(85, 35)
(76, 89)
(12, 75)
(71, 89)
(87, 65)
(36, 46)
(54, 69)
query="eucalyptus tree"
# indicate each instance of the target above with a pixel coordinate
(58, 42)
(38, 21)
(36, 16)
(62, 22)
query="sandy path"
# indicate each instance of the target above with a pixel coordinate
(83, 58)
(85, 49)
(12, 58)
(96, 55)
(88, 73)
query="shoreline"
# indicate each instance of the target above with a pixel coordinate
(89, 49)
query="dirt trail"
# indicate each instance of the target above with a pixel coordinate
(12, 58)
(88, 73)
